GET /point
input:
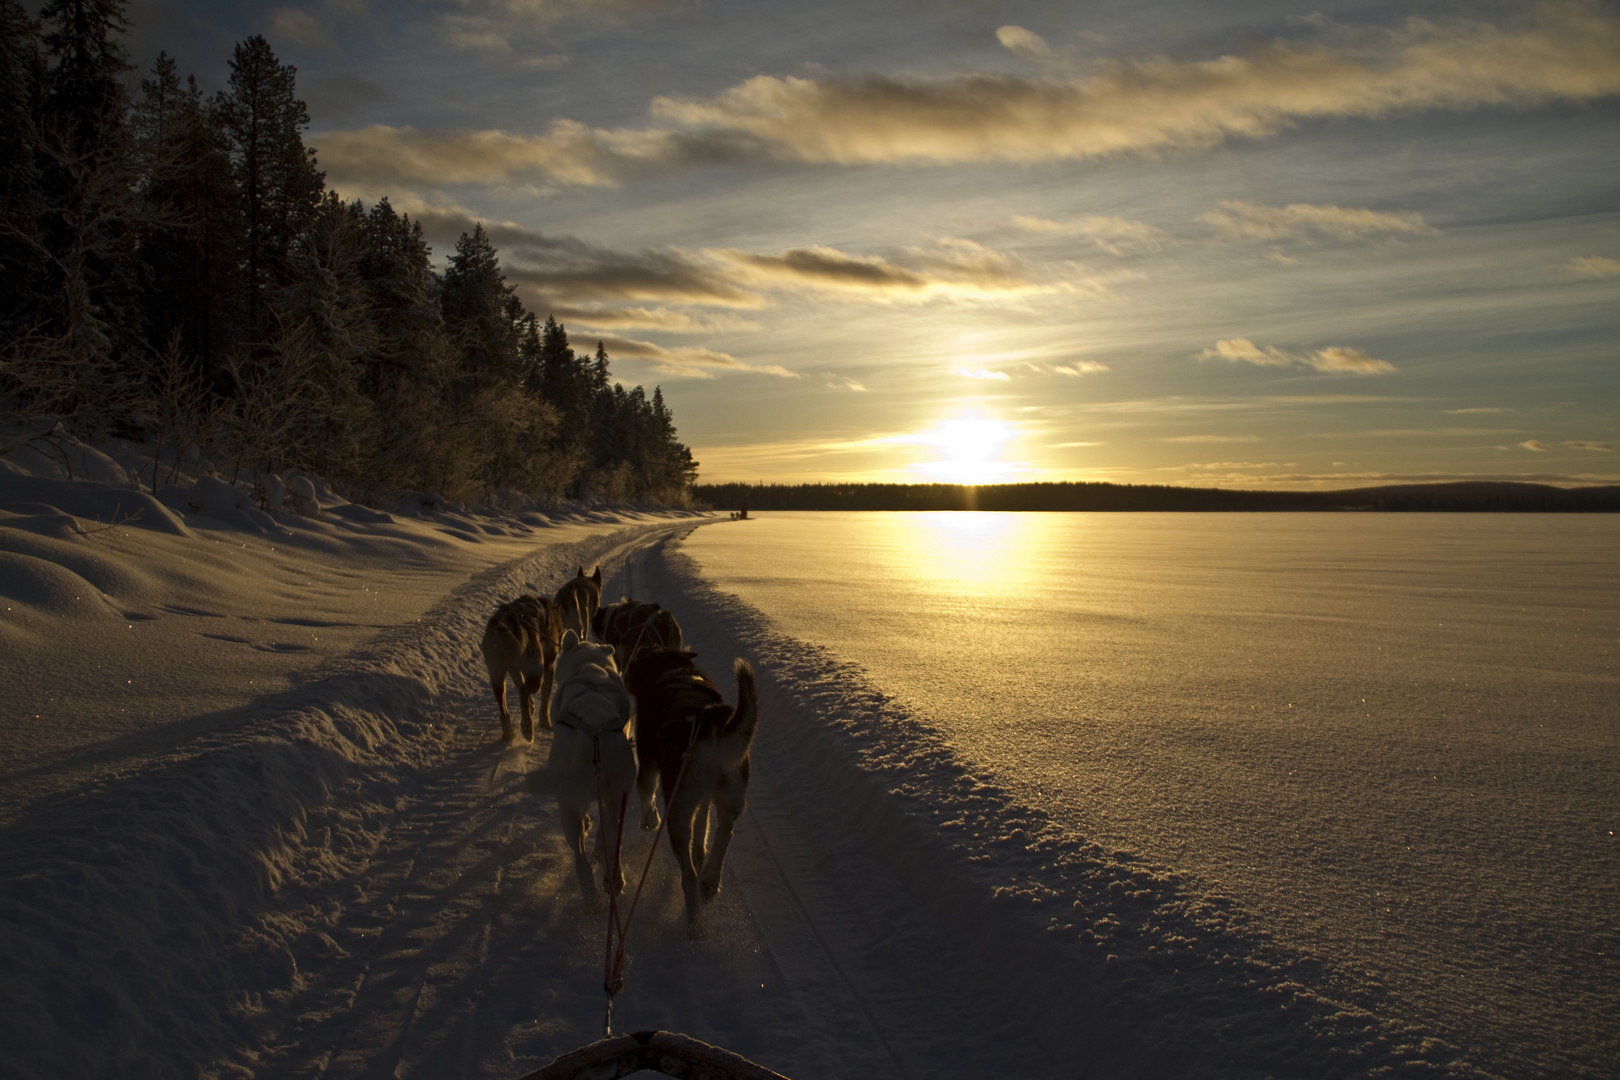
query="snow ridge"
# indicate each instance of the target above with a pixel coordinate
(1124, 968)
(131, 910)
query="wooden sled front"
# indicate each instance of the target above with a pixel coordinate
(659, 1051)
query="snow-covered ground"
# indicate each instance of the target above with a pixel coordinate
(258, 822)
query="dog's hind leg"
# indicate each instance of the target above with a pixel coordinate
(497, 683)
(680, 841)
(547, 674)
(730, 800)
(526, 690)
(646, 790)
(576, 823)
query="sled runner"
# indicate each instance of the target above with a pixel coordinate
(659, 1051)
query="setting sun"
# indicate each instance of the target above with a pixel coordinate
(969, 449)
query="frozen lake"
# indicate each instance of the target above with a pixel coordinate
(1390, 739)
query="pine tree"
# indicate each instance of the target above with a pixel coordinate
(278, 183)
(21, 85)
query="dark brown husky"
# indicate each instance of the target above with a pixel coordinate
(630, 627)
(578, 599)
(689, 740)
(521, 642)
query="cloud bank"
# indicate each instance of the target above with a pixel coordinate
(1248, 221)
(1337, 359)
(1567, 53)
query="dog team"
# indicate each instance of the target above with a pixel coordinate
(687, 741)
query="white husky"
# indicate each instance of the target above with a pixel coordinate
(591, 758)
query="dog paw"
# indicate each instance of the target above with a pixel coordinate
(651, 821)
(711, 889)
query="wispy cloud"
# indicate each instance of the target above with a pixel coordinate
(981, 373)
(1115, 235)
(299, 28)
(1588, 444)
(1565, 52)
(1569, 53)
(685, 360)
(1026, 43)
(1250, 221)
(1211, 438)
(1595, 266)
(952, 267)
(1080, 367)
(490, 26)
(643, 318)
(1535, 445)
(1337, 359)
(1482, 409)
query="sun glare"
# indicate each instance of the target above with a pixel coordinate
(969, 449)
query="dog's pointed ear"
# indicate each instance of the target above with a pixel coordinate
(596, 575)
(570, 639)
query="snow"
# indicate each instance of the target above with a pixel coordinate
(257, 822)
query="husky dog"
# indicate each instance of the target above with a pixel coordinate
(591, 757)
(691, 741)
(521, 642)
(630, 627)
(578, 599)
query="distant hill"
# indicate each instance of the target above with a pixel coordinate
(1470, 497)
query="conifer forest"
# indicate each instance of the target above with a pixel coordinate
(176, 272)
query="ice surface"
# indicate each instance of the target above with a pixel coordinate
(1379, 750)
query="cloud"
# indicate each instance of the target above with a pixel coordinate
(567, 154)
(1587, 444)
(953, 267)
(299, 28)
(1566, 53)
(684, 360)
(1535, 444)
(843, 382)
(665, 319)
(1250, 221)
(1026, 43)
(1596, 266)
(981, 373)
(1491, 409)
(1210, 438)
(489, 26)
(1117, 236)
(1334, 358)
(1080, 367)
(1570, 53)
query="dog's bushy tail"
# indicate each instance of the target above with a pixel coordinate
(738, 734)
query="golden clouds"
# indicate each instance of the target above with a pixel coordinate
(1338, 359)
(1596, 266)
(690, 361)
(1144, 105)
(1248, 221)
(1149, 104)
(952, 267)
(1117, 236)
(1026, 43)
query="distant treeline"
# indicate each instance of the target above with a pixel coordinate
(175, 270)
(1502, 497)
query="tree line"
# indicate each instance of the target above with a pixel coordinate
(177, 271)
(1461, 496)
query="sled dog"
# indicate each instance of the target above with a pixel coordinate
(591, 757)
(578, 599)
(521, 642)
(694, 746)
(630, 627)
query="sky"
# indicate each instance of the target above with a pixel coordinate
(1257, 245)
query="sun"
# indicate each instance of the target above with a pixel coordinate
(969, 448)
